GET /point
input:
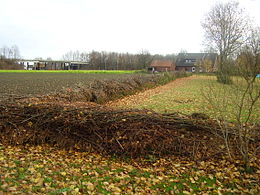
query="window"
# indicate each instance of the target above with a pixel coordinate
(188, 60)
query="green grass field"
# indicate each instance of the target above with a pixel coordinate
(188, 98)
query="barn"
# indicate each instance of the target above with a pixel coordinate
(162, 65)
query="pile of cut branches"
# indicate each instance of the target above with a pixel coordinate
(91, 127)
(101, 91)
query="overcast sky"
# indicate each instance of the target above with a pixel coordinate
(50, 28)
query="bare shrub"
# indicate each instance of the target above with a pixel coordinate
(238, 102)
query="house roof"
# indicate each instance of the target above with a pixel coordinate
(189, 59)
(161, 63)
(197, 55)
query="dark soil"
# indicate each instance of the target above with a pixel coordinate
(31, 84)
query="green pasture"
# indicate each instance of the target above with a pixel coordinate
(191, 97)
(74, 71)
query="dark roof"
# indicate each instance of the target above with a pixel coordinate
(189, 59)
(161, 63)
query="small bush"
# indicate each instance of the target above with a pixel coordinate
(224, 78)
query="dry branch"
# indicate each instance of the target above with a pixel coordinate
(92, 127)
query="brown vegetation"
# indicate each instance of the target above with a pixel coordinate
(9, 64)
(88, 127)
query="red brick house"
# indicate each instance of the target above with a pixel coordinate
(162, 65)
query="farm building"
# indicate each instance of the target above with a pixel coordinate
(53, 65)
(27, 64)
(162, 65)
(191, 62)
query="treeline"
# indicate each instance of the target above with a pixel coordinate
(10, 52)
(115, 61)
(96, 60)
(8, 58)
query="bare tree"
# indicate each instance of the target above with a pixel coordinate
(226, 26)
(76, 56)
(15, 52)
(67, 56)
(105, 60)
(145, 58)
(249, 56)
(4, 52)
(9, 56)
(239, 101)
(12, 53)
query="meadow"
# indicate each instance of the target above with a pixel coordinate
(190, 98)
